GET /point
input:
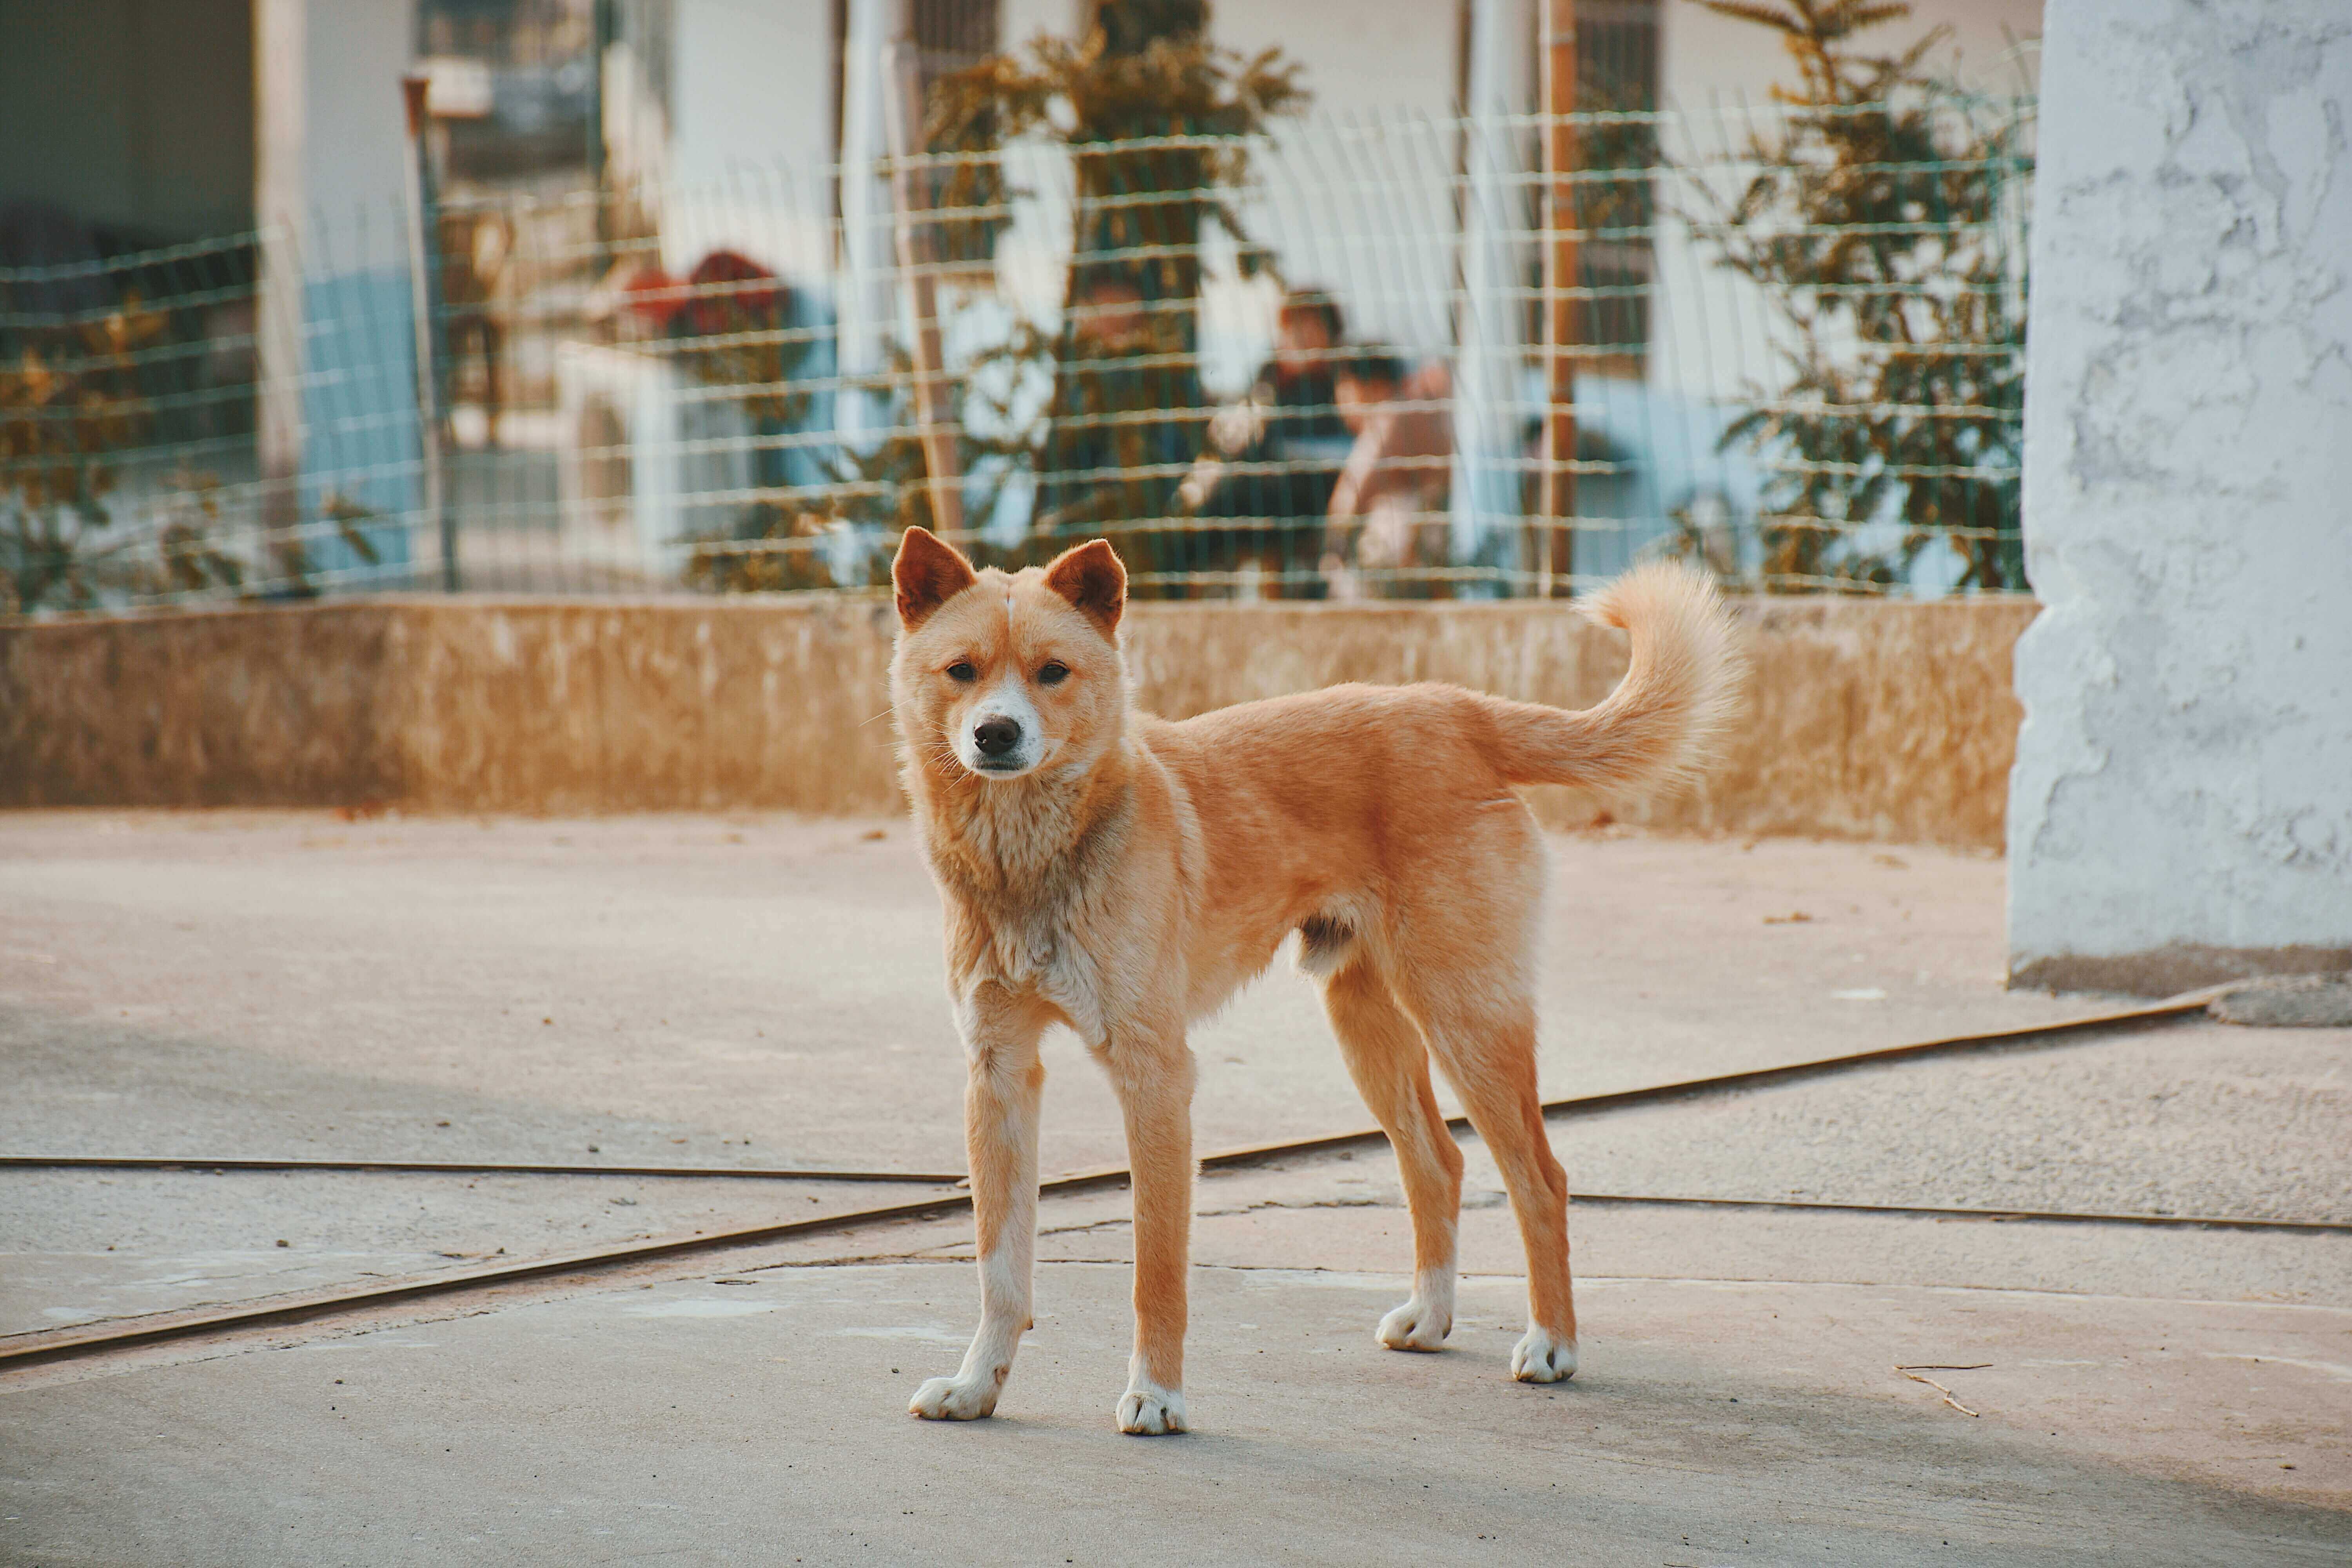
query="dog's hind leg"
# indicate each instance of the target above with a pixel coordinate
(1390, 1063)
(1153, 1075)
(1482, 1029)
(1000, 1106)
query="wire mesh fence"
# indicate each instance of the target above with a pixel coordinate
(1389, 357)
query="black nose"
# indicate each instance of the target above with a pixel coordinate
(994, 737)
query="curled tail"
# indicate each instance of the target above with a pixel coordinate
(1666, 718)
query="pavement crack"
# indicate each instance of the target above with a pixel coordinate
(1083, 1229)
(865, 1259)
(1341, 1203)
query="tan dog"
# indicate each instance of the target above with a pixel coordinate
(1123, 876)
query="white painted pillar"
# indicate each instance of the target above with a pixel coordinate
(280, 205)
(1487, 363)
(2180, 811)
(865, 302)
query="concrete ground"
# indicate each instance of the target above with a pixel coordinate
(765, 991)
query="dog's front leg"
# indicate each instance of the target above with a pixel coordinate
(1154, 1080)
(1000, 1116)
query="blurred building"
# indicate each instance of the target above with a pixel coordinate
(149, 122)
(652, 137)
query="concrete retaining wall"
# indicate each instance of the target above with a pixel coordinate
(1874, 720)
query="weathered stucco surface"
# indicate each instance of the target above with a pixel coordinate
(2181, 808)
(1866, 720)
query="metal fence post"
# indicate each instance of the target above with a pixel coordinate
(423, 253)
(1486, 488)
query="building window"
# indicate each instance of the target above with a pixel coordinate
(514, 85)
(951, 35)
(1617, 71)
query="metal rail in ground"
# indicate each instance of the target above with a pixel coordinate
(70, 1344)
(1753, 1077)
(464, 1168)
(2027, 1216)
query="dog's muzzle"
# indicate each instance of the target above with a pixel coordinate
(995, 737)
(999, 745)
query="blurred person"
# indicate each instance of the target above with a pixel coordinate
(1296, 384)
(1274, 456)
(1386, 518)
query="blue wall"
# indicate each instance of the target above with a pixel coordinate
(361, 437)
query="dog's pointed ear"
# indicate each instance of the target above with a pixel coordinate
(928, 572)
(1092, 579)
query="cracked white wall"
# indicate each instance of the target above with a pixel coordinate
(2181, 807)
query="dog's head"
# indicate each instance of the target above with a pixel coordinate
(1007, 674)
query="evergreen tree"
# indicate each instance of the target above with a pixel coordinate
(1881, 228)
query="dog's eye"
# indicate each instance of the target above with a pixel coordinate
(962, 669)
(1054, 673)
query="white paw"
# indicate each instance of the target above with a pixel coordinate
(1418, 1325)
(954, 1399)
(1543, 1357)
(1149, 1412)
